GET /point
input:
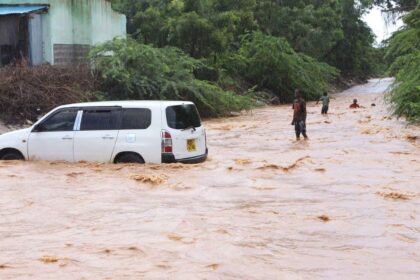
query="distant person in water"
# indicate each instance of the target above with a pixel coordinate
(325, 99)
(354, 105)
(299, 115)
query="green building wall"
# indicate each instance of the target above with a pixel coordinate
(71, 26)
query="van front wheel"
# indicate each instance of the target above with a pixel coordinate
(129, 158)
(11, 155)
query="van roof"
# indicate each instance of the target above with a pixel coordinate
(128, 103)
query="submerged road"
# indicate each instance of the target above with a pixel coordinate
(343, 205)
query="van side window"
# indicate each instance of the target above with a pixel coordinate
(97, 119)
(61, 121)
(136, 118)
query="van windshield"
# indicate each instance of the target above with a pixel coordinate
(182, 116)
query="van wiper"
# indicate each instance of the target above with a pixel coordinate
(189, 127)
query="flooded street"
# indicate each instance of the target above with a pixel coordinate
(343, 205)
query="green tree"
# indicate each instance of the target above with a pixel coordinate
(353, 54)
(151, 27)
(131, 70)
(195, 35)
(331, 31)
(271, 64)
(404, 52)
(394, 5)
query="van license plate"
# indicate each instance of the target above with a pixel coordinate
(191, 145)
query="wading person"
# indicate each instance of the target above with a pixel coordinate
(325, 99)
(354, 105)
(299, 115)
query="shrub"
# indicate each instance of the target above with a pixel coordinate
(25, 89)
(406, 91)
(131, 70)
(404, 52)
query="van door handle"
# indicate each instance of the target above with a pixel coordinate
(107, 137)
(67, 138)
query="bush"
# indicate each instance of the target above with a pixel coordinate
(404, 52)
(25, 89)
(130, 70)
(406, 92)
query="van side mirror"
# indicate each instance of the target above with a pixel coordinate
(37, 128)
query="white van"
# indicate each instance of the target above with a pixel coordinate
(114, 131)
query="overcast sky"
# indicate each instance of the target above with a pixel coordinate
(380, 27)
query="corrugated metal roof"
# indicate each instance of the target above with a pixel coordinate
(20, 9)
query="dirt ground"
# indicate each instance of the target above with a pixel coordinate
(342, 205)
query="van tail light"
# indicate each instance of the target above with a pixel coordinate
(166, 142)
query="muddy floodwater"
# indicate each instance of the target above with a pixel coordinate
(343, 205)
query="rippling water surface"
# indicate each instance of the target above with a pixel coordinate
(343, 205)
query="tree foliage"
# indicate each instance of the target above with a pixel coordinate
(396, 6)
(354, 53)
(330, 31)
(404, 53)
(271, 63)
(264, 45)
(131, 70)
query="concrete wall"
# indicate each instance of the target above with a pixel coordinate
(71, 26)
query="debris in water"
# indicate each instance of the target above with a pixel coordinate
(324, 218)
(48, 259)
(185, 240)
(411, 138)
(386, 118)
(374, 130)
(369, 131)
(4, 266)
(263, 188)
(134, 248)
(171, 166)
(394, 195)
(174, 237)
(118, 168)
(164, 266)
(74, 174)
(56, 162)
(405, 238)
(225, 127)
(222, 231)
(270, 166)
(400, 153)
(150, 179)
(243, 161)
(29, 203)
(322, 170)
(5, 163)
(180, 187)
(284, 168)
(213, 266)
(97, 169)
(368, 119)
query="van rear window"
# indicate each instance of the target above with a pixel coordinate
(182, 116)
(136, 118)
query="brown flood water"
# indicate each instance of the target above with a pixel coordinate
(343, 205)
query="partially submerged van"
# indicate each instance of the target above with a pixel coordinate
(113, 131)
